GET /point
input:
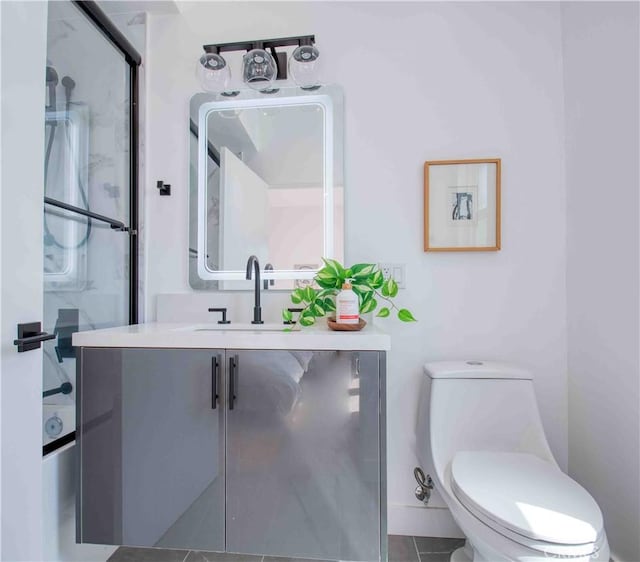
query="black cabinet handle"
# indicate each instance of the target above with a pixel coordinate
(214, 382)
(232, 381)
(30, 337)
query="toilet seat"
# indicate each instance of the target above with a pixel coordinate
(527, 500)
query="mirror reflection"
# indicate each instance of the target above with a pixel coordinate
(265, 180)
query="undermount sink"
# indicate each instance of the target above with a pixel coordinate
(239, 327)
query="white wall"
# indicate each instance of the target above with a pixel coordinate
(422, 81)
(601, 69)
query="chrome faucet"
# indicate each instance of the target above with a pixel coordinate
(268, 282)
(253, 262)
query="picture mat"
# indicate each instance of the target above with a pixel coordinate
(478, 179)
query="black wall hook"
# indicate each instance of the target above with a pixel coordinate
(165, 188)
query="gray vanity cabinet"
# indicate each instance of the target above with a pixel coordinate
(290, 462)
(150, 448)
(303, 454)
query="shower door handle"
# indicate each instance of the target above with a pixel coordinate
(30, 337)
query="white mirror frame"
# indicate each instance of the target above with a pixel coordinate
(325, 101)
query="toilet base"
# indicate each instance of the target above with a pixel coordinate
(467, 553)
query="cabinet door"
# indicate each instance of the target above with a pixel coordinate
(303, 454)
(151, 448)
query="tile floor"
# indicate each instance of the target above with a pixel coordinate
(401, 549)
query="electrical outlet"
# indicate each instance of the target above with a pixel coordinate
(395, 270)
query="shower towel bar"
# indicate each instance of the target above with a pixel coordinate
(116, 225)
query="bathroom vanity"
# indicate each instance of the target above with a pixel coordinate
(233, 439)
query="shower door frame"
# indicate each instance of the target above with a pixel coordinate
(102, 22)
(107, 28)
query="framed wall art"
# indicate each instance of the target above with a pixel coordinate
(462, 205)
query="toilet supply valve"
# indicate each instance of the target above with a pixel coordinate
(425, 485)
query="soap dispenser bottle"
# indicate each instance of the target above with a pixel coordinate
(347, 306)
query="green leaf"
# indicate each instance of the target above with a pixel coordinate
(393, 288)
(297, 296)
(376, 279)
(335, 266)
(405, 315)
(326, 283)
(287, 330)
(368, 306)
(326, 293)
(287, 315)
(326, 276)
(390, 288)
(363, 297)
(307, 320)
(309, 294)
(362, 270)
(385, 290)
(326, 271)
(328, 304)
(316, 309)
(383, 312)
(362, 288)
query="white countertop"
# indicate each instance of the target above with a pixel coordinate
(233, 336)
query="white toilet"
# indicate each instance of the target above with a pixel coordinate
(480, 437)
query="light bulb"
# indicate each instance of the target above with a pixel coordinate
(213, 72)
(304, 67)
(259, 69)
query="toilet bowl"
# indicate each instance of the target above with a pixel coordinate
(480, 438)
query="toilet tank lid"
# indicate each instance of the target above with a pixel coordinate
(475, 370)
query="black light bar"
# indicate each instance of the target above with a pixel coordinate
(300, 40)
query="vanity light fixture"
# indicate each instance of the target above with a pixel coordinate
(261, 65)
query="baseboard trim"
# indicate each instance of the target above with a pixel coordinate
(421, 521)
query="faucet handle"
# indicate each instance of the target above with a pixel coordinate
(293, 310)
(224, 315)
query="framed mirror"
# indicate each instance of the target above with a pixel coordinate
(266, 178)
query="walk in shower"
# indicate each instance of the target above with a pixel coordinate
(90, 214)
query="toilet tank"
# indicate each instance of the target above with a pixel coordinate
(476, 406)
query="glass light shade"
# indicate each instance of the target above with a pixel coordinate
(259, 69)
(304, 67)
(213, 72)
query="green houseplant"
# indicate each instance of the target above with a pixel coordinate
(367, 282)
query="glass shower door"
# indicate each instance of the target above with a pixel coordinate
(87, 202)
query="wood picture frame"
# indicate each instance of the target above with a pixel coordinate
(462, 204)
